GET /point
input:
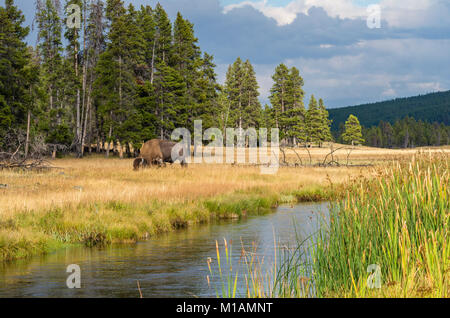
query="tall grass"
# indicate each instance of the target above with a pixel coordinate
(398, 221)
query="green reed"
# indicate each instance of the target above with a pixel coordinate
(399, 221)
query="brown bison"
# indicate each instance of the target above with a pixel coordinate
(159, 152)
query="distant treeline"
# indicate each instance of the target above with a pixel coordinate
(404, 133)
(434, 107)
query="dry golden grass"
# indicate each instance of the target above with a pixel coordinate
(96, 199)
(101, 180)
(358, 155)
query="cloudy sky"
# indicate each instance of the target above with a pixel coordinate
(340, 58)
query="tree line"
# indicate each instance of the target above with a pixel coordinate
(407, 133)
(109, 74)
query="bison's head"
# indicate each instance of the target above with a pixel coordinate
(139, 163)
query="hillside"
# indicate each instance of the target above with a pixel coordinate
(434, 107)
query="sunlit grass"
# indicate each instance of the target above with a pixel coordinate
(97, 201)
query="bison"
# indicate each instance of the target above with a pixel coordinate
(159, 152)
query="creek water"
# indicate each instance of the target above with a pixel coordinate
(169, 266)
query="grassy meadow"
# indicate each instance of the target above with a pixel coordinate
(394, 213)
(100, 201)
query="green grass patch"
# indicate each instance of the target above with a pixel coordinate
(39, 232)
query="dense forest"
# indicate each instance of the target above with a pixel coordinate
(434, 107)
(128, 75)
(103, 75)
(407, 133)
(401, 123)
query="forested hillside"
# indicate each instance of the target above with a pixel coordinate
(434, 107)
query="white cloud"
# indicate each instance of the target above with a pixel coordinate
(287, 14)
(389, 92)
(283, 15)
(398, 13)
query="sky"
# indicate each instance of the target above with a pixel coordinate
(340, 58)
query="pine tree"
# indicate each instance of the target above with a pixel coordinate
(326, 123)
(252, 110)
(115, 84)
(241, 88)
(352, 134)
(96, 45)
(147, 25)
(170, 93)
(73, 80)
(235, 92)
(278, 97)
(14, 57)
(314, 120)
(186, 59)
(56, 120)
(288, 108)
(206, 93)
(163, 40)
(296, 114)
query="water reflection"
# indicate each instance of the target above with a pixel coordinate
(172, 265)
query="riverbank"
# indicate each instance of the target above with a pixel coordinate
(387, 238)
(96, 201)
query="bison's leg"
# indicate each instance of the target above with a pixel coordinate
(158, 162)
(145, 163)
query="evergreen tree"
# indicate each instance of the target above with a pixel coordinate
(235, 92)
(326, 122)
(206, 93)
(14, 57)
(96, 45)
(241, 88)
(73, 70)
(314, 122)
(288, 109)
(56, 119)
(252, 110)
(352, 134)
(278, 97)
(186, 60)
(296, 113)
(163, 38)
(115, 83)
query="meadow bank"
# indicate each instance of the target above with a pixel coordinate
(97, 201)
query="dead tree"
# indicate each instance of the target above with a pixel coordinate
(15, 154)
